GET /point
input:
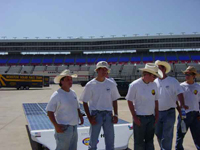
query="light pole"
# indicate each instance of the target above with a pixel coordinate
(147, 34)
(69, 37)
(26, 37)
(37, 37)
(102, 36)
(183, 33)
(113, 36)
(135, 35)
(4, 37)
(14, 38)
(91, 37)
(124, 35)
(159, 33)
(171, 33)
(59, 37)
(48, 37)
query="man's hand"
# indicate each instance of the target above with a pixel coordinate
(137, 121)
(92, 120)
(156, 119)
(82, 120)
(185, 106)
(59, 128)
(115, 119)
(198, 117)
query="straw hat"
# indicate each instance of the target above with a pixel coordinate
(152, 68)
(165, 64)
(64, 74)
(102, 64)
(191, 69)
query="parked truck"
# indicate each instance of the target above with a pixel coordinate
(22, 82)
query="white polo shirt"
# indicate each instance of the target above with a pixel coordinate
(100, 95)
(191, 96)
(64, 105)
(169, 88)
(143, 96)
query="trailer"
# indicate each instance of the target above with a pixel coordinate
(22, 81)
(42, 130)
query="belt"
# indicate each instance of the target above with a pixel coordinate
(102, 110)
(168, 109)
(145, 115)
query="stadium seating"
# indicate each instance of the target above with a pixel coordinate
(3, 69)
(135, 59)
(115, 70)
(24, 61)
(27, 69)
(3, 62)
(36, 61)
(14, 69)
(13, 61)
(69, 61)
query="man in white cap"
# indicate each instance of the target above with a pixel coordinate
(143, 103)
(102, 95)
(192, 98)
(169, 90)
(63, 111)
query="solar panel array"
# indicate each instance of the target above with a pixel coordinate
(36, 116)
(38, 120)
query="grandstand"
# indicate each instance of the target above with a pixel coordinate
(125, 55)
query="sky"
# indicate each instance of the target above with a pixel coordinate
(86, 18)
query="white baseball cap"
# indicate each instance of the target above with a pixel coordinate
(102, 64)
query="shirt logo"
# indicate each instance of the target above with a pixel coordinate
(153, 92)
(108, 90)
(195, 92)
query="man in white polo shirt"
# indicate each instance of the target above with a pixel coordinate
(192, 99)
(102, 95)
(143, 103)
(63, 111)
(169, 90)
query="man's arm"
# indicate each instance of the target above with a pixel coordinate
(80, 117)
(115, 107)
(90, 118)
(181, 99)
(156, 111)
(178, 109)
(58, 127)
(132, 110)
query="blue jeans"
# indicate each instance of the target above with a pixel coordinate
(143, 135)
(103, 119)
(194, 125)
(165, 128)
(68, 139)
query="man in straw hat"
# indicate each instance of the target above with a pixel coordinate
(169, 90)
(102, 95)
(63, 111)
(143, 103)
(192, 98)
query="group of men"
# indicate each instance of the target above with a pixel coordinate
(152, 100)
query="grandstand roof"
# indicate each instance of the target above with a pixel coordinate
(101, 44)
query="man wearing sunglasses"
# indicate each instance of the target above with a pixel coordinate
(142, 100)
(192, 98)
(169, 90)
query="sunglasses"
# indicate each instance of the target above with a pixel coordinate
(188, 74)
(154, 76)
